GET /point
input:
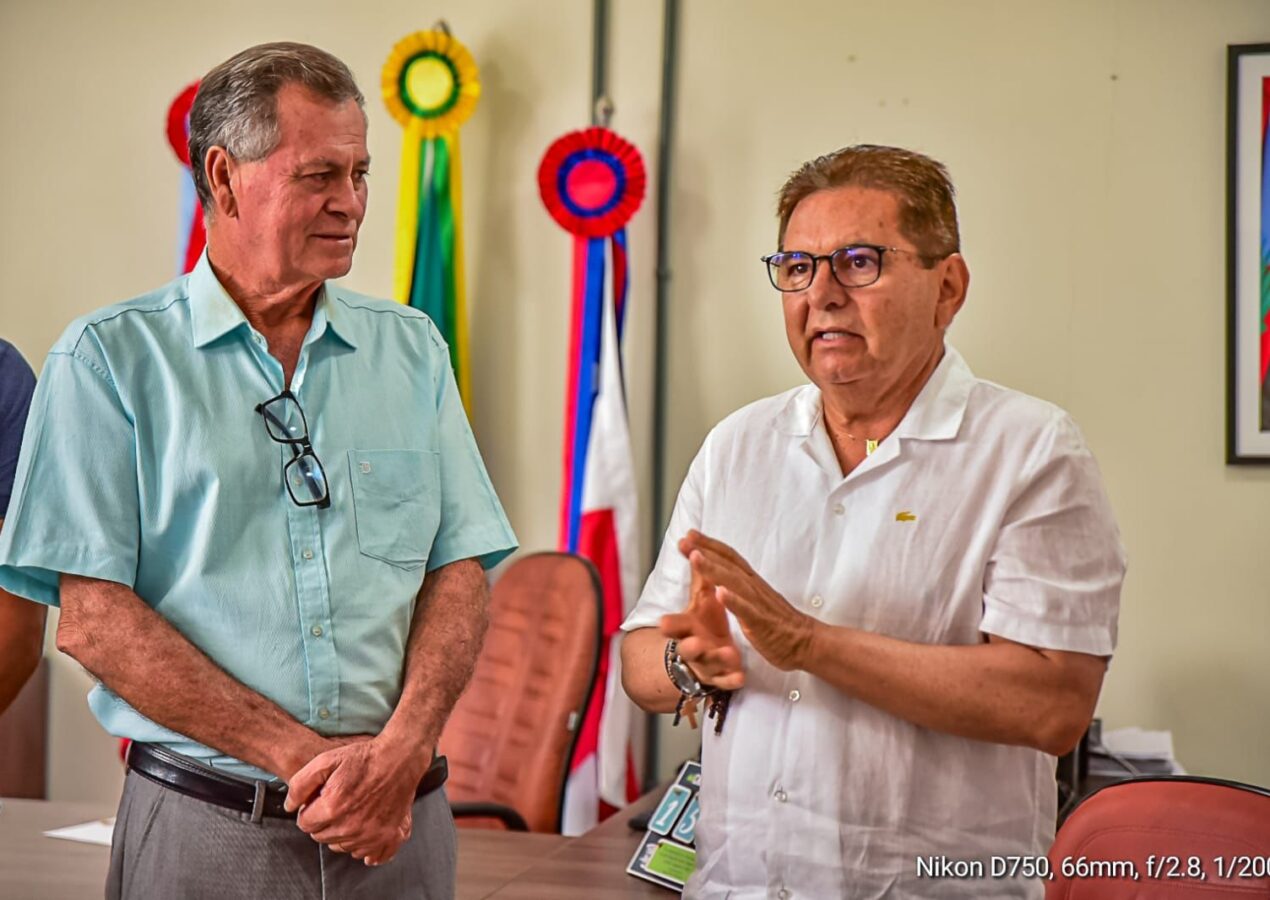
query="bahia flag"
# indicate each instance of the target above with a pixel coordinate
(599, 523)
(592, 182)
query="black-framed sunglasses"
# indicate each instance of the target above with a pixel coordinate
(853, 266)
(303, 475)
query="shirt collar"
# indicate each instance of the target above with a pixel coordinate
(936, 414)
(334, 314)
(213, 313)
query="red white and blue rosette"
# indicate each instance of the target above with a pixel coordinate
(592, 182)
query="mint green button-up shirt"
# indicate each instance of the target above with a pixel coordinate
(145, 463)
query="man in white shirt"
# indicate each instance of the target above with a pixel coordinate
(909, 578)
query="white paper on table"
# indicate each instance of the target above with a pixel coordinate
(1138, 743)
(98, 832)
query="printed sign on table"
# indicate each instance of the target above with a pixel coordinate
(667, 854)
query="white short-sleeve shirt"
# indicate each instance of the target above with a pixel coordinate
(982, 513)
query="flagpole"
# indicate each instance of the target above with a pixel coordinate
(665, 135)
(599, 58)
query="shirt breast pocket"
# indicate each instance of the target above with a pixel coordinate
(397, 504)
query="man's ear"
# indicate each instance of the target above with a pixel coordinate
(953, 286)
(219, 167)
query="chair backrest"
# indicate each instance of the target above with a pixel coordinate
(1171, 830)
(512, 733)
(24, 730)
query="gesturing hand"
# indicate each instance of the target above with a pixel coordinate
(705, 641)
(356, 799)
(780, 633)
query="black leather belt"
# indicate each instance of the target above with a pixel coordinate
(257, 798)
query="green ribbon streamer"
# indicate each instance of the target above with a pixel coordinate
(432, 285)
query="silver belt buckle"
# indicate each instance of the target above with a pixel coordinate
(258, 803)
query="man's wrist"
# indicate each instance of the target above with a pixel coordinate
(810, 652)
(681, 675)
(293, 755)
(406, 750)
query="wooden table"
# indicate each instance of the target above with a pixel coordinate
(590, 867)
(492, 864)
(33, 867)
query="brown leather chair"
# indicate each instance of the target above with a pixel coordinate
(24, 732)
(1182, 837)
(512, 733)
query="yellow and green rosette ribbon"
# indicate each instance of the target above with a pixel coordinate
(431, 85)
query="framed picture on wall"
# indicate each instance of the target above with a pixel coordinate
(1248, 254)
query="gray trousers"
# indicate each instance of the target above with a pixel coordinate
(168, 846)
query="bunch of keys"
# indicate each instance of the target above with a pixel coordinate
(716, 708)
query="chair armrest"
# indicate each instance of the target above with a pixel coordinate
(511, 819)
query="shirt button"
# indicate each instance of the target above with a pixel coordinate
(324, 713)
(783, 894)
(817, 601)
(781, 795)
(838, 509)
(258, 339)
(794, 695)
(317, 630)
(307, 554)
(365, 467)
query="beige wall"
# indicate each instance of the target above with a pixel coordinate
(1086, 140)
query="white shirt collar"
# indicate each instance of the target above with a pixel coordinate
(936, 413)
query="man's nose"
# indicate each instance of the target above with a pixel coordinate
(825, 291)
(347, 199)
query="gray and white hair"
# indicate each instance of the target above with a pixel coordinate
(236, 106)
(928, 209)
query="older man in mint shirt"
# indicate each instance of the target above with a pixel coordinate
(257, 499)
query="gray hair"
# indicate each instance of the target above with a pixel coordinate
(236, 106)
(928, 209)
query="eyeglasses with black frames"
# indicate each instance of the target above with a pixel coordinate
(853, 266)
(303, 475)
